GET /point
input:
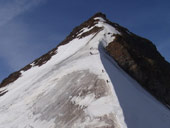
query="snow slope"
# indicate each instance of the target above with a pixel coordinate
(80, 87)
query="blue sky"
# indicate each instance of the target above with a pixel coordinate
(30, 28)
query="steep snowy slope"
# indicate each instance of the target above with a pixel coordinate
(79, 86)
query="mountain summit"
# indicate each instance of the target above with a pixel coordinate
(101, 76)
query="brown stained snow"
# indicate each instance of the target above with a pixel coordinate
(66, 113)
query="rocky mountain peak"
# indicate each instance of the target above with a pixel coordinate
(99, 14)
(93, 78)
(136, 55)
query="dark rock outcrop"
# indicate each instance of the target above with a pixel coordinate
(142, 61)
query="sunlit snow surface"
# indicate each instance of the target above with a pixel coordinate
(80, 87)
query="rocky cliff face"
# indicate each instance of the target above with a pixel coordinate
(140, 59)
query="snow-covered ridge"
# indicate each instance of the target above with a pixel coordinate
(38, 82)
(80, 87)
(93, 25)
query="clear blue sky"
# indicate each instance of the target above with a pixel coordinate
(30, 28)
